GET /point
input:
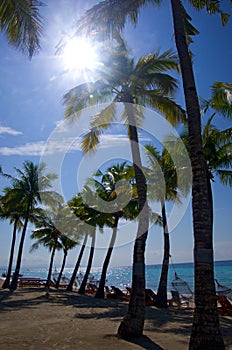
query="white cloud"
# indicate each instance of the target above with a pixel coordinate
(29, 149)
(61, 144)
(9, 131)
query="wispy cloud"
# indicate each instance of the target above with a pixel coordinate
(9, 131)
(29, 149)
(62, 144)
(41, 147)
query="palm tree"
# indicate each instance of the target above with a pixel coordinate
(48, 235)
(77, 265)
(67, 244)
(145, 83)
(27, 190)
(111, 15)
(170, 178)
(84, 281)
(108, 189)
(56, 228)
(220, 101)
(22, 24)
(77, 206)
(173, 184)
(9, 211)
(216, 143)
(94, 219)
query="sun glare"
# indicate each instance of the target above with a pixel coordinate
(79, 55)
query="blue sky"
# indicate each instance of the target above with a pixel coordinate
(31, 110)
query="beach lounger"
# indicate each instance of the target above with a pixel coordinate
(226, 307)
(117, 293)
(91, 288)
(149, 296)
(31, 281)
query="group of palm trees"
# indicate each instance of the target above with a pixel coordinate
(141, 83)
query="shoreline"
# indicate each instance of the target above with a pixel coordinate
(71, 321)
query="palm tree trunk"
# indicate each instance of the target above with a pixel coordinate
(50, 267)
(101, 288)
(89, 265)
(206, 332)
(6, 283)
(62, 269)
(161, 298)
(14, 282)
(133, 322)
(72, 280)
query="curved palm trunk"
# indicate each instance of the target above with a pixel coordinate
(72, 280)
(101, 288)
(62, 269)
(89, 265)
(14, 282)
(50, 267)
(133, 322)
(161, 298)
(206, 332)
(6, 283)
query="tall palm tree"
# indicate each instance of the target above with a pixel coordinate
(111, 15)
(170, 177)
(27, 190)
(147, 83)
(95, 219)
(47, 234)
(9, 211)
(67, 244)
(109, 189)
(22, 24)
(56, 228)
(174, 185)
(77, 206)
(84, 281)
(217, 150)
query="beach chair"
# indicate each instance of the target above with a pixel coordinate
(149, 296)
(226, 307)
(91, 288)
(178, 299)
(117, 293)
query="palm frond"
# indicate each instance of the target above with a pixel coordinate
(109, 16)
(91, 140)
(211, 7)
(225, 177)
(165, 105)
(87, 94)
(22, 24)
(103, 118)
(164, 83)
(158, 62)
(221, 99)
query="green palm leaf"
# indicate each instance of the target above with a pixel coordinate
(22, 24)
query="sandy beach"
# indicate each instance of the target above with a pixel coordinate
(31, 321)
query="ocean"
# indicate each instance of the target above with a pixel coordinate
(121, 276)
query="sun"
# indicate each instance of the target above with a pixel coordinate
(80, 54)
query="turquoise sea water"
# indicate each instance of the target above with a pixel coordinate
(121, 276)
